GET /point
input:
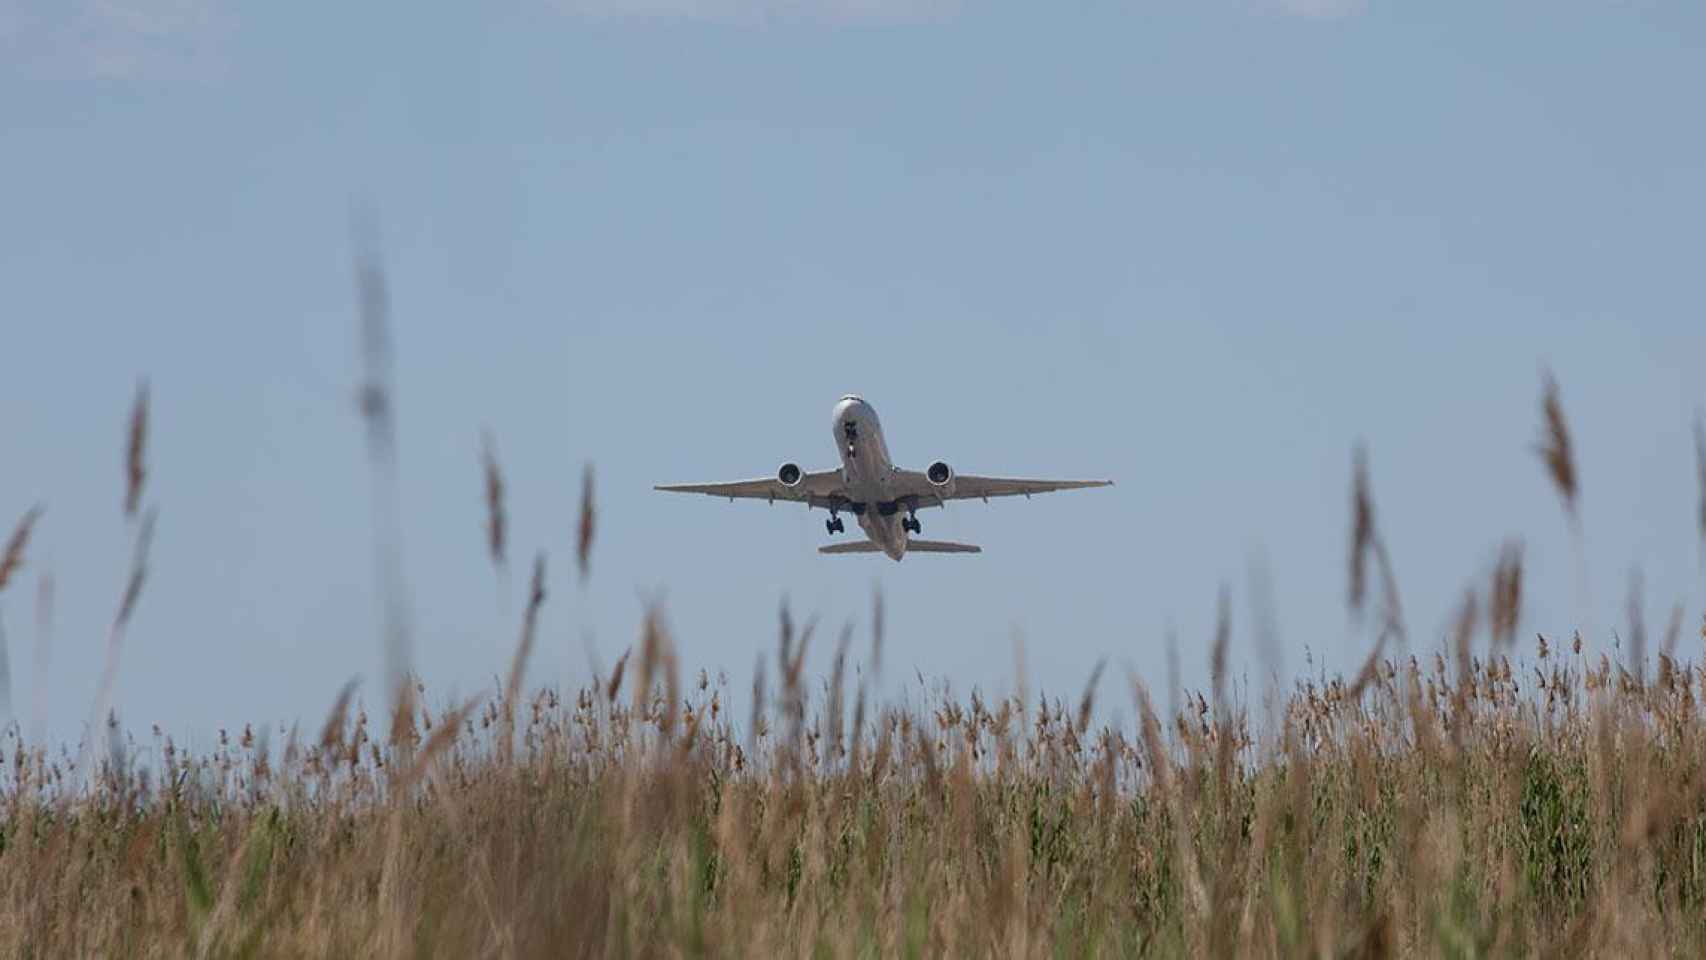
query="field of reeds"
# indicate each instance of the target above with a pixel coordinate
(1508, 796)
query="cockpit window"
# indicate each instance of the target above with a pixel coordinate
(854, 397)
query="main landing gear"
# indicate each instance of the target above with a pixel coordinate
(835, 526)
(910, 522)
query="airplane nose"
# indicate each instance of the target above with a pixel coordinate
(848, 407)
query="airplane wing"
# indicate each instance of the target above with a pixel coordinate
(820, 488)
(917, 487)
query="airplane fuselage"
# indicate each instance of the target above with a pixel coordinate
(868, 472)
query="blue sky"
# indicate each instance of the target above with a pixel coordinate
(1201, 248)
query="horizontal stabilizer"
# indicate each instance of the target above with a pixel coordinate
(852, 546)
(940, 546)
(912, 546)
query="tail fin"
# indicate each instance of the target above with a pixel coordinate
(940, 546)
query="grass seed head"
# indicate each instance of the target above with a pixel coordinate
(136, 448)
(496, 522)
(615, 685)
(12, 560)
(1087, 702)
(1362, 529)
(584, 531)
(1506, 594)
(332, 734)
(1556, 449)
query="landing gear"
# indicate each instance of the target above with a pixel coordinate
(835, 526)
(911, 523)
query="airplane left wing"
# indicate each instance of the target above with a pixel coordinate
(820, 488)
(926, 494)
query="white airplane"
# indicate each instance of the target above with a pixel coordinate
(868, 485)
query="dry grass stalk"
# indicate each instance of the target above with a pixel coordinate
(332, 733)
(524, 647)
(1673, 631)
(755, 725)
(1505, 595)
(496, 523)
(1366, 542)
(1463, 636)
(136, 444)
(449, 729)
(374, 305)
(835, 707)
(1222, 646)
(615, 685)
(1362, 529)
(1173, 686)
(877, 627)
(138, 570)
(1370, 670)
(378, 412)
(1637, 627)
(1556, 449)
(43, 653)
(12, 560)
(584, 530)
(1087, 702)
(1700, 468)
(134, 581)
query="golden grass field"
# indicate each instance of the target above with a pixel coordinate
(1507, 797)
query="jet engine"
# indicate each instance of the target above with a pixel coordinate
(789, 475)
(941, 476)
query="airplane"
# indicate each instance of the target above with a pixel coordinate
(884, 498)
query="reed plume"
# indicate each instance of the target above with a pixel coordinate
(12, 559)
(496, 522)
(1556, 449)
(584, 529)
(136, 449)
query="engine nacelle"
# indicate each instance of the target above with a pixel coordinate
(789, 475)
(941, 476)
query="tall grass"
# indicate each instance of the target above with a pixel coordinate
(1494, 798)
(1551, 806)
